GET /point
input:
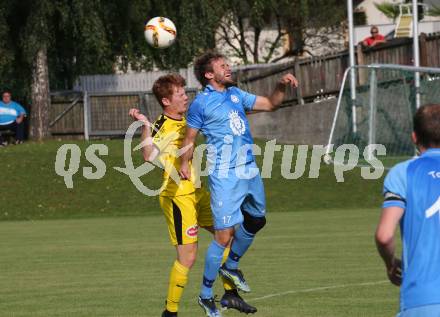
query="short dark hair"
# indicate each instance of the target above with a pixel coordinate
(427, 125)
(6, 91)
(163, 87)
(203, 65)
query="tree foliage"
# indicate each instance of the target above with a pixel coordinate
(244, 21)
(69, 38)
(434, 11)
(242, 25)
(390, 10)
(305, 18)
(95, 37)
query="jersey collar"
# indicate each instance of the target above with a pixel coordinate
(209, 88)
(432, 151)
(168, 117)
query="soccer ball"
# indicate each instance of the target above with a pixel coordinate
(160, 32)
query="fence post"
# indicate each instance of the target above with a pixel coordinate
(423, 50)
(298, 76)
(86, 115)
(372, 114)
(361, 61)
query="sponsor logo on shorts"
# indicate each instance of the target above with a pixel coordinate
(192, 231)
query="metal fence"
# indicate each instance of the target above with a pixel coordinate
(98, 114)
(129, 82)
(101, 107)
(320, 76)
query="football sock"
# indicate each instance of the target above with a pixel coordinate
(240, 244)
(227, 285)
(213, 261)
(178, 280)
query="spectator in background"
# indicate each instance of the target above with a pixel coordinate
(374, 39)
(11, 118)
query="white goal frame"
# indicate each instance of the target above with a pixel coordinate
(373, 96)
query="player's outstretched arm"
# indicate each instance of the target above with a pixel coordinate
(386, 244)
(149, 150)
(188, 150)
(274, 101)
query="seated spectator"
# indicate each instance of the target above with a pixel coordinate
(374, 39)
(11, 118)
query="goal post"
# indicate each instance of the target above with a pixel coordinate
(387, 97)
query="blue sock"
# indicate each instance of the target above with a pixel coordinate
(213, 261)
(242, 241)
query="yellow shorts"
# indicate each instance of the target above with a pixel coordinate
(185, 214)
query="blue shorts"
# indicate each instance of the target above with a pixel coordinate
(422, 311)
(230, 195)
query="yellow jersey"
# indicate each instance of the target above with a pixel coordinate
(168, 135)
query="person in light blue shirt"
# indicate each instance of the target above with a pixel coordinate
(12, 116)
(237, 193)
(412, 199)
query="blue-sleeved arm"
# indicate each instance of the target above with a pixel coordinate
(395, 185)
(248, 99)
(194, 117)
(20, 110)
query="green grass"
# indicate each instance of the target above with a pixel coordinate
(119, 267)
(32, 190)
(90, 250)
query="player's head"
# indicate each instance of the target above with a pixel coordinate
(169, 91)
(6, 96)
(212, 68)
(427, 127)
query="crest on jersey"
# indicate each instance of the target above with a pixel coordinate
(235, 99)
(236, 123)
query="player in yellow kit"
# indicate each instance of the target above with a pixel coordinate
(186, 208)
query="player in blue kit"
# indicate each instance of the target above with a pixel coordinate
(412, 198)
(237, 193)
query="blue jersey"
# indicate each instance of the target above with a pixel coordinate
(9, 112)
(221, 117)
(414, 185)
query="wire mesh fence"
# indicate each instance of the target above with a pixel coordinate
(382, 110)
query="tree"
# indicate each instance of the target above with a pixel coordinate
(296, 22)
(5, 52)
(307, 20)
(241, 27)
(38, 37)
(434, 11)
(47, 44)
(390, 10)
(43, 44)
(196, 21)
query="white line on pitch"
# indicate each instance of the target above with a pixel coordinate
(316, 289)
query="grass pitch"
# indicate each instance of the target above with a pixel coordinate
(102, 249)
(32, 190)
(302, 264)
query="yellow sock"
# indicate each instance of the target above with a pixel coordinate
(226, 283)
(178, 280)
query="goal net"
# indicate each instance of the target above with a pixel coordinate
(381, 107)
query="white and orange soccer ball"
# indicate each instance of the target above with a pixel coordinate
(160, 32)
